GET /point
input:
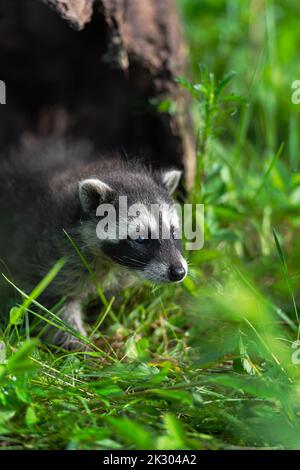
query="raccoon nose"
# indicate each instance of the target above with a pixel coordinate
(176, 273)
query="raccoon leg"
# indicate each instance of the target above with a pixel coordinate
(72, 316)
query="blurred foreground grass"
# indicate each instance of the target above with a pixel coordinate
(214, 363)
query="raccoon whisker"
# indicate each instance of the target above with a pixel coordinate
(116, 258)
(122, 258)
(142, 263)
(122, 261)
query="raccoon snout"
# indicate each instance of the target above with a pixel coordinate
(176, 273)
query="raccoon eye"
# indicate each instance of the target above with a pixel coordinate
(173, 233)
(140, 239)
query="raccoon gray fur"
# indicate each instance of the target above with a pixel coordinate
(50, 186)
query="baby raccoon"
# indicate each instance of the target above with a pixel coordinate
(50, 188)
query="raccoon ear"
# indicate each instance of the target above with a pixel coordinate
(171, 180)
(92, 192)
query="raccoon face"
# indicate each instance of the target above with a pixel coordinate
(138, 226)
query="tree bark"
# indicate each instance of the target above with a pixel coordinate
(77, 12)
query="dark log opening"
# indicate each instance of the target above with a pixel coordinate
(62, 81)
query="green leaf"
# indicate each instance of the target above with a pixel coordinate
(286, 276)
(20, 361)
(225, 81)
(30, 417)
(23, 395)
(6, 416)
(266, 176)
(15, 316)
(175, 437)
(174, 395)
(243, 363)
(132, 432)
(109, 390)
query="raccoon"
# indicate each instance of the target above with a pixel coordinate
(51, 188)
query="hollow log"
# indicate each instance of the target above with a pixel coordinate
(110, 77)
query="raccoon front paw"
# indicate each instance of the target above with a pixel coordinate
(71, 315)
(69, 342)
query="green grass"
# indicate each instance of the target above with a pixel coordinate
(208, 364)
